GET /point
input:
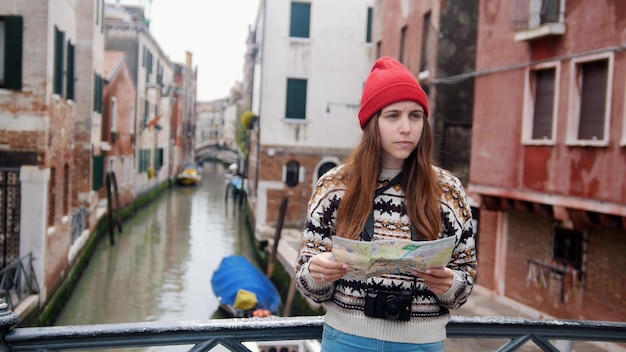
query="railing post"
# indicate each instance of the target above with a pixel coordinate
(7, 320)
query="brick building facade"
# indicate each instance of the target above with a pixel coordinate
(548, 155)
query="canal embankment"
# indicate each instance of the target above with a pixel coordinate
(30, 313)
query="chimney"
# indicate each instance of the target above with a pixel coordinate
(189, 56)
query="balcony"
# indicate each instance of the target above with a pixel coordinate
(534, 19)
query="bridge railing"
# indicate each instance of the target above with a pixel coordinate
(18, 281)
(203, 335)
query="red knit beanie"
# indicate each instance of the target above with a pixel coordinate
(389, 82)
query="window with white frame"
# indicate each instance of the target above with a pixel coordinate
(131, 119)
(113, 114)
(541, 104)
(123, 172)
(590, 100)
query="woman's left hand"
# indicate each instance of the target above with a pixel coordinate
(438, 280)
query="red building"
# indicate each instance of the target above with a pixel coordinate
(118, 121)
(549, 155)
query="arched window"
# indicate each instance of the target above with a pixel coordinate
(324, 168)
(292, 176)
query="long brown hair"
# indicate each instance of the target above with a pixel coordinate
(422, 194)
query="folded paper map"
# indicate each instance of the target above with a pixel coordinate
(374, 258)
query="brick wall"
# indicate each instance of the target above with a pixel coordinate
(600, 295)
(271, 169)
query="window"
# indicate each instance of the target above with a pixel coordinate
(59, 55)
(296, 99)
(425, 55)
(144, 160)
(63, 76)
(292, 173)
(98, 172)
(98, 90)
(540, 104)
(11, 28)
(368, 30)
(568, 247)
(69, 84)
(159, 78)
(324, 168)
(300, 20)
(113, 114)
(67, 194)
(147, 62)
(123, 171)
(590, 100)
(403, 45)
(146, 113)
(52, 199)
(131, 119)
(158, 158)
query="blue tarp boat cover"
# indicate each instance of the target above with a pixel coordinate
(236, 272)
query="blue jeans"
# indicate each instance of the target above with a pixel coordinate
(334, 340)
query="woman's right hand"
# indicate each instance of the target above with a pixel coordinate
(324, 268)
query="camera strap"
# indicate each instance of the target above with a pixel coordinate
(368, 230)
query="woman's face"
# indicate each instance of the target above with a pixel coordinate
(400, 126)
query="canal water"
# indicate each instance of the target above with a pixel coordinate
(160, 267)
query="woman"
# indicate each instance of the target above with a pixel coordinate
(423, 203)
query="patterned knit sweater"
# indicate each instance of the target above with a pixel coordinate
(344, 299)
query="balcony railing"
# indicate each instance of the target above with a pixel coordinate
(230, 333)
(534, 19)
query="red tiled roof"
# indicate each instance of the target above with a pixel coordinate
(112, 61)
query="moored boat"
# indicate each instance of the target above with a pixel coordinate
(243, 290)
(190, 175)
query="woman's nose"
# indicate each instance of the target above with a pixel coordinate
(405, 124)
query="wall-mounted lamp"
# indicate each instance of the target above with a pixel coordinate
(346, 105)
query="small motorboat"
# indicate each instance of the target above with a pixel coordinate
(190, 175)
(243, 290)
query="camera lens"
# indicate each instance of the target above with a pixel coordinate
(393, 308)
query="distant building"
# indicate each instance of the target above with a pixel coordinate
(311, 60)
(549, 155)
(126, 29)
(118, 119)
(184, 114)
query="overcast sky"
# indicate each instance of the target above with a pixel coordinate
(214, 31)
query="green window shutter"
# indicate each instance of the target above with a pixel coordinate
(368, 30)
(95, 92)
(300, 20)
(98, 172)
(59, 39)
(70, 71)
(13, 39)
(296, 99)
(141, 160)
(100, 93)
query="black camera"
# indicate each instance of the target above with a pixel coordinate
(388, 305)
